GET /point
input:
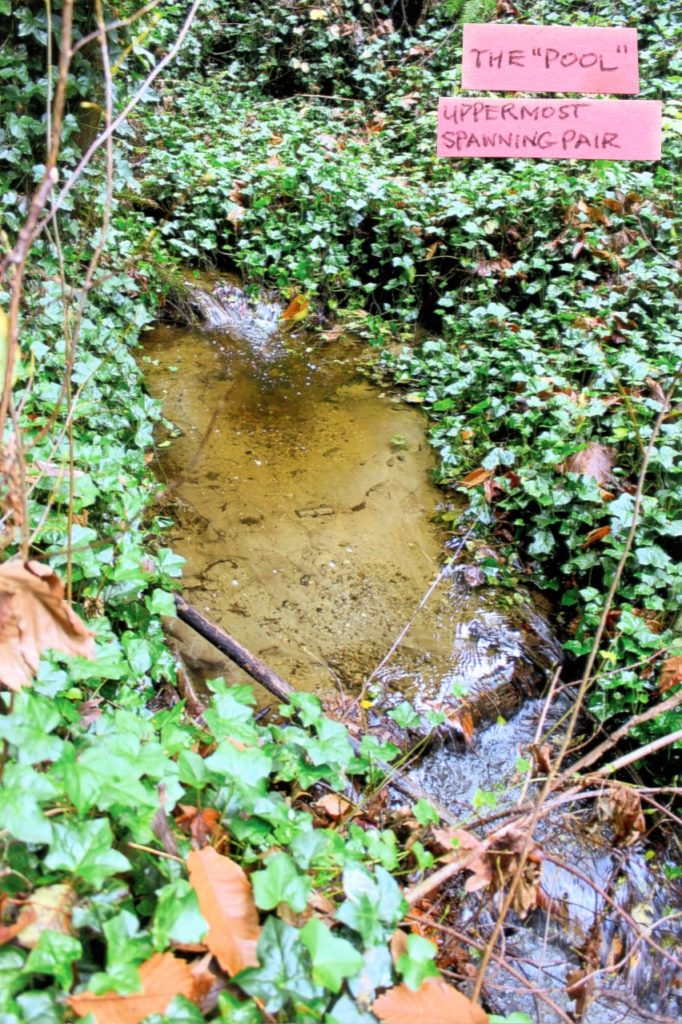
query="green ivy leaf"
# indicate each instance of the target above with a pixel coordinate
(417, 963)
(284, 976)
(85, 849)
(405, 715)
(333, 958)
(281, 882)
(54, 954)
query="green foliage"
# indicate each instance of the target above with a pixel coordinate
(547, 287)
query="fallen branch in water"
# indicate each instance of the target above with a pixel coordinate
(282, 690)
(227, 645)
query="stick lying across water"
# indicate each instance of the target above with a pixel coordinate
(227, 645)
(282, 690)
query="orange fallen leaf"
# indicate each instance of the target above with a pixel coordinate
(226, 901)
(596, 535)
(334, 805)
(476, 477)
(163, 977)
(434, 1002)
(34, 617)
(297, 309)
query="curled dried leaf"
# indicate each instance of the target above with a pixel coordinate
(34, 617)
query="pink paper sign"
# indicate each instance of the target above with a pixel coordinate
(548, 58)
(550, 129)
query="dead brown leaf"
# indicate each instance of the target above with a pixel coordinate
(333, 804)
(622, 807)
(434, 1001)
(226, 901)
(163, 977)
(671, 673)
(499, 861)
(236, 214)
(34, 617)
(48, 910)
(595, 460)
(476, 477)
(201, 825)
(656, 390)
(596, 535)
(206, 985)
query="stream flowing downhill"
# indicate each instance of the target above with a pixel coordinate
(303, 504)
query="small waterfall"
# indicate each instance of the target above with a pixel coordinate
(227, 308)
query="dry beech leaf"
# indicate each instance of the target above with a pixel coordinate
(206, 985)
(163, 977)
(622, 807)
(596, 460)
(671, 673)
(200, 824)
(596, 535)
(434, 1002)
(48, 909)
(34, 617)
(476, 477)
(333, 804)
(226, 901)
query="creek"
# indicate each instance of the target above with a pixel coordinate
(304, 505)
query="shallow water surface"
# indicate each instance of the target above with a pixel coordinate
(303, 500)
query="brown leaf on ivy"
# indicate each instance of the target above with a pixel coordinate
(34, 617)
(206, 986)
(671, 673)
(163, 977)
(476, 477)
(434, 1002)
(596, 535)
(333, 804)
(47, 910)
(236, 214)
(657, 391)
(200, 824)
(492, 490)
(226, 902)
(595, 460)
